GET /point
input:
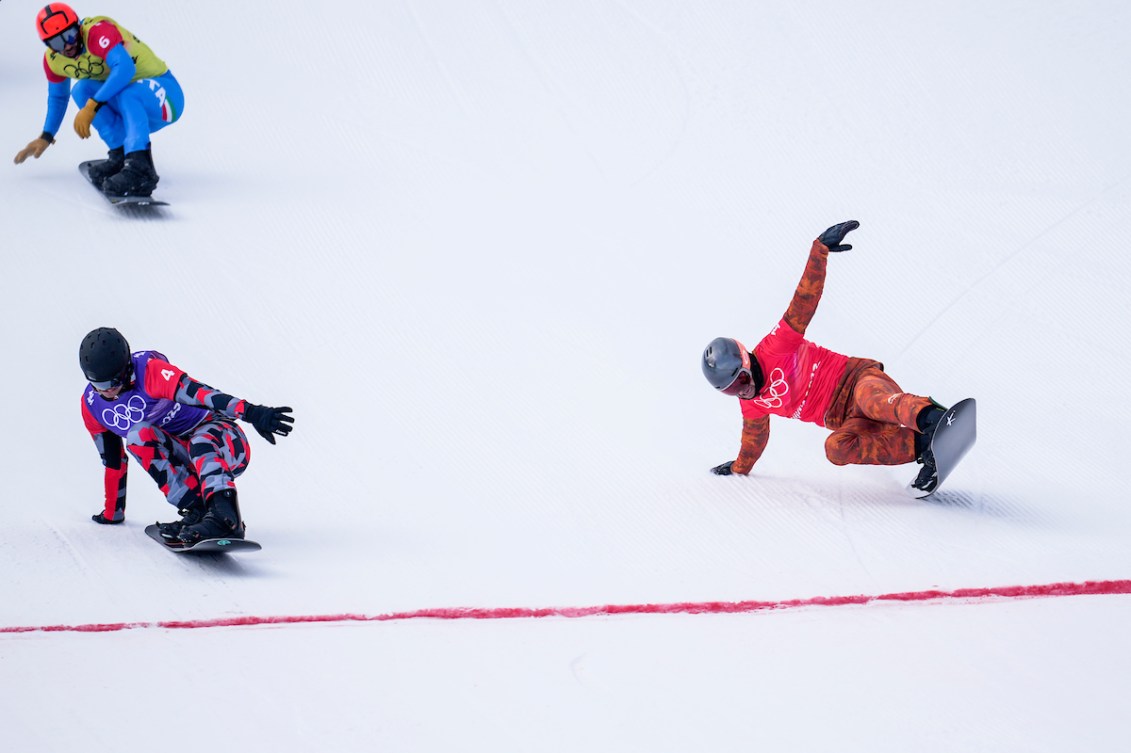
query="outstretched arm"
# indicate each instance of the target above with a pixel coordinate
(808, 294)
(163, 379)
(755, 436)
(267, 421)
(200, 395)
(58, 95)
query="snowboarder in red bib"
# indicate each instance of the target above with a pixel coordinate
(873, 421)
(123, 91)
(183, 433)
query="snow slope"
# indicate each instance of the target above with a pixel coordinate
(479, 247)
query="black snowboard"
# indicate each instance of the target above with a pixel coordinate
(119, 201)
(954, 437)
(205, 546)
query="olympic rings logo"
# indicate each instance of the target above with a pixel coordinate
(122, 416)
(777, 388)
(84, 67)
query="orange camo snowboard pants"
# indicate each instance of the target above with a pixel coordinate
(879, 426)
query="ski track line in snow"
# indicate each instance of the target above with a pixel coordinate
(963, 595)
(1009, 257)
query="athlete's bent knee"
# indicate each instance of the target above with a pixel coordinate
(841, 448)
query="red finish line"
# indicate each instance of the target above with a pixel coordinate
(1000, 593)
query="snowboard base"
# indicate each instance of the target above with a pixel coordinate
(118, 201)
(204, 546)
(955, 435)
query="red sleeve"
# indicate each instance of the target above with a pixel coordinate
(89, 421)
(102, 38)
(52, 76)
(161, 379)
(113, 487)
(113, 479)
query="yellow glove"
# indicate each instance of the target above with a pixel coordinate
(35, 148)
(85, 116)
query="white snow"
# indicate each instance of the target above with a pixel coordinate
(479, 247)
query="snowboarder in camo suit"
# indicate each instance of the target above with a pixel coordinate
(124, 91)
(182, 432)
(873, 421)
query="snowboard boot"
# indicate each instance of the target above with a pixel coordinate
(927, 422)
(221, 520)
(191, 512)
(138, 176)
(103, 169)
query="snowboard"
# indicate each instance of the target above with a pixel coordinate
(204, 546)
(119, 201)
(953, 438)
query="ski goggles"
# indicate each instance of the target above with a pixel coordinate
(110, 384)
(742, 380)
(66, 40)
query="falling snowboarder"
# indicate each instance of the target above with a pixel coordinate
(124, 91)
(873, 421)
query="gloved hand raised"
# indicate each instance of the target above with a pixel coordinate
(835, 234)
(724, 469)
(35, 148)
(269, 421)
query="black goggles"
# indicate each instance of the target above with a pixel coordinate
(67, 39)
(109, 384)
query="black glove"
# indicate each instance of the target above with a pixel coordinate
(724, 469)
(101, 518)
(269, 421)
(835, 234)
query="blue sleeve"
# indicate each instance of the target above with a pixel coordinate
(122, 72)
(58, 95)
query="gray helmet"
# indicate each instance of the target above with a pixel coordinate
(727, 365)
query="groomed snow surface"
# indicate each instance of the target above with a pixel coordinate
(479, 247)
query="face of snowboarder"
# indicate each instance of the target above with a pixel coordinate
(743, 385)
(68, 42)
(110, 394)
